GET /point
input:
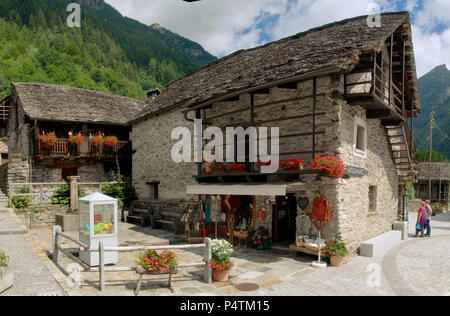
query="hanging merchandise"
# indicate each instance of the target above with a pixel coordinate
(207, 211)
(215, 209)
(262, 215)
(321, 209)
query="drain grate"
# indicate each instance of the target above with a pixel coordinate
(247, 287)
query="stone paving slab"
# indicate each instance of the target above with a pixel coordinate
(10, 224)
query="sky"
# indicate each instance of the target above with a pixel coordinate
(224, 26)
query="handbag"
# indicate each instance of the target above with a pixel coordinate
(418, 226)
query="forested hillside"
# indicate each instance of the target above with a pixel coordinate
(435, 96)
(109, 52)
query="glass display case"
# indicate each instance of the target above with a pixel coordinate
(98, 222)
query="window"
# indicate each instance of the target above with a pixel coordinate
(360, 138)
(373, 190)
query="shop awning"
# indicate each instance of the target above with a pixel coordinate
(238, 189)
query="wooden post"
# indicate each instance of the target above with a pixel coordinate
(56, 231)
(41, 194)
(73, 192)
(314, 117)
(390, 69)
(101, 260)
(207, 276)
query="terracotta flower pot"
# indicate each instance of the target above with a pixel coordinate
(336, 261)
(221, 277)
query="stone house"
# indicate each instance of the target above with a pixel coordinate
(440, 182)
(43, 108)
(343, 89)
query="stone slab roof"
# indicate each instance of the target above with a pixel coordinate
(337, 45)
(438, 170)
(60, 103)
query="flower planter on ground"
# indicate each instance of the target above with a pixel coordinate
(221, 263)
(336, 250)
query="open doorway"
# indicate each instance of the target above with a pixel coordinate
(284, 218)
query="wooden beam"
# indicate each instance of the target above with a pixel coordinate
(289, 85)
(378, 114)
(262, 91)
(314, 117)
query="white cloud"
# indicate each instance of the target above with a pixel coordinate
(431, 49)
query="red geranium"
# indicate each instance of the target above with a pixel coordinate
(332, 164)
(111, 141)
(48, 139)
(76, 139)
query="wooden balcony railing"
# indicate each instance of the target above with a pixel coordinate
(63, 149)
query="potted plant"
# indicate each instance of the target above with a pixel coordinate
(217, 167)
(97, 140)
(332, 164)
(47, 139)
(6, 276)
(76, 139)
(221, 263)
(260, 239)
(336, 250)
(292, 164)
(111, 141)
(159, 263)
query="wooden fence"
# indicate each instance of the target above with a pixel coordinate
(57, 234)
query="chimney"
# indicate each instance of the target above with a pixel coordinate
(152, 94)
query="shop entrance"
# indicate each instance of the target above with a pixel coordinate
(284, 216)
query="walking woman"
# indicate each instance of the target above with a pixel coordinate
(421, 220)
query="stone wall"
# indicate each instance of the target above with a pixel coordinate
(43, 216)
(152, 160)
(414, 205)
(355, 222)
(15, 172)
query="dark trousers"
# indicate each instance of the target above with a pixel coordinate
(428, 228)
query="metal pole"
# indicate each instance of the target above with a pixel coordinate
(431, 155)
(440, 182)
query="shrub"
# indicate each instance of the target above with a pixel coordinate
(21, 202)
(4, 259)
(124, 192)
(62, 194)
(259, 238)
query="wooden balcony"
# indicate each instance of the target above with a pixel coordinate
(374, 91)
(63, 149)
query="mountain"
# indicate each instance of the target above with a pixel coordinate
(434, 88)
(109, 52)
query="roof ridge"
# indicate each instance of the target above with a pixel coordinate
(75, 88)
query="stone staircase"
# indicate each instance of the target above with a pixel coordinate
(405, 164)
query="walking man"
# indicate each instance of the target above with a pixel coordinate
(429, 215)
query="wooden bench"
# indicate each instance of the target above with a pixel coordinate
(141, 271)
(168, 218)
